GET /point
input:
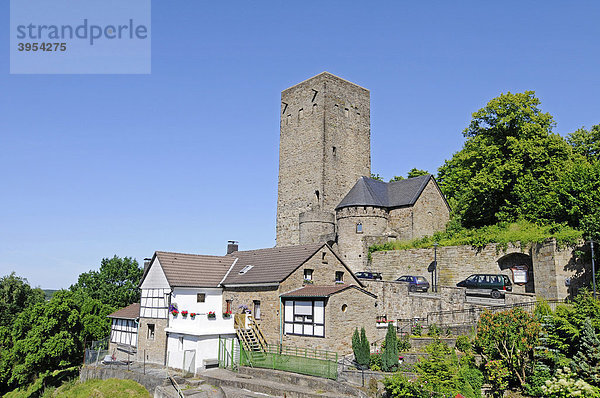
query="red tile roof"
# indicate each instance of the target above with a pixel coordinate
(132, 311)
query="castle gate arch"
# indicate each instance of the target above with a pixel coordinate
(519, 267)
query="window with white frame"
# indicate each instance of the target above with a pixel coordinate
(256, 309)
(304, 317)
(308, 273)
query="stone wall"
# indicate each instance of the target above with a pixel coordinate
(353, 246)
(551, 265)
(324, 264)
(154, 349)
(344, 312)
(150, 382)
(395, 302)
(324, 148)
(430, 212)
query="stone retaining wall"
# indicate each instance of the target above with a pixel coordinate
(553, 266)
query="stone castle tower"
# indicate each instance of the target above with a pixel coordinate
(325, 147)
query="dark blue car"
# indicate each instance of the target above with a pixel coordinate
(415, 283)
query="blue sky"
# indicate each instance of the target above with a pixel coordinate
(186, 158)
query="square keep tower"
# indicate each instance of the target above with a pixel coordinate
(324, 148)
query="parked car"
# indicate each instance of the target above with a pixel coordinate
(495, 285)
(368, 275)
(415, 283)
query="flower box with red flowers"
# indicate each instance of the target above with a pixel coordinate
(184, 313)
(227, 314)
(212, 315)
(193, 315)
(174, 312)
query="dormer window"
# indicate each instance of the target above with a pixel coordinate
(359, 228)
(308, 273)
(246, 269)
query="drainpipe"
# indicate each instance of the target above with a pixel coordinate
(280, 325)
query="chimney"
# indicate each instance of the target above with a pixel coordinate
(232, 246)
(146, 264)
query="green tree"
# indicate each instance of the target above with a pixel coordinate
(389, 356)
(115, 284)
(46, 337)
(16, 296)
(579, 195)
(414, 172)
(586, 142)
(509, 336)
(376, 177)
(360, 346)
(587, 361)
(510, 164)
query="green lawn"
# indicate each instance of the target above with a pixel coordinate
(100, 389)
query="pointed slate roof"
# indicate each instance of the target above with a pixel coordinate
(370, 192)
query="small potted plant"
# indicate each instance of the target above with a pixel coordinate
(308, 281)
(227, 314)
(212, 315)
(174, 312)
(193, 315)
(243, 309)
(184, 313)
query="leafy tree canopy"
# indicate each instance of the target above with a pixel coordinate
(414, 172)
(115, 284)
(586, 142)
(15, 296)
(510, 164)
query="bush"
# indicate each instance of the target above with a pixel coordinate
(375, 362)
(417, 329)
(565, 385)
(434, 330)
(463, 344)
(361, 348)
(403, 343)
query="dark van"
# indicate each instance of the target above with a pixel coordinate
(494, 285)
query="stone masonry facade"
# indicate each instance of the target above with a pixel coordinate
(429, 214)
(324, 264)
(324, 149)
(553, 267)
(344, 311)
(153, 348)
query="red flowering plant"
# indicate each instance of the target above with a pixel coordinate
(173, 310)
(193, 315)
(184, 313)
(227, 314)
(212, 315)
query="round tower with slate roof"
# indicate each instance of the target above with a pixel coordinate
(324, 149)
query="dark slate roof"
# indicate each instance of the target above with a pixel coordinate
(193, 270)
(271, 265)
(322, 291)
(370, 192)
(132, 311)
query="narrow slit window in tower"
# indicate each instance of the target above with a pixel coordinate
(317, 195)
(334, 151)
(359, 228)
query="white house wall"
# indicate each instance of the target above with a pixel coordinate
(154, 300)
(206, 348)
(186, 300)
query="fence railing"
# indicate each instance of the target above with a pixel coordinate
(313, 362)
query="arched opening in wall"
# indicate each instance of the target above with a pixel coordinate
(520, 269)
